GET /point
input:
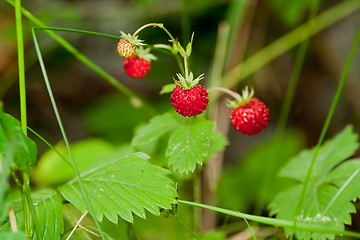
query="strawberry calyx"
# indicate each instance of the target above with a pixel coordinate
(240, 100)
(189, 82)
(145, 54)
(133, 40)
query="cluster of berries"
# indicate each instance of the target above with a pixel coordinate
(249, 115)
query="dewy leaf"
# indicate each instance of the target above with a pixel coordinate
(153, 130)
(15, 147)
(48, 211)
(334, 185)
(128, 185)
(189, 145)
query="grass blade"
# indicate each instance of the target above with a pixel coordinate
(63, 132)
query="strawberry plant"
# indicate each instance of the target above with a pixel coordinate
(149, 170)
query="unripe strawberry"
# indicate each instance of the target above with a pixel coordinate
(125, 48)
(127, 44)
(189, 102)
(249, 115)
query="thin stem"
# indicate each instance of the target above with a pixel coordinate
(197, 198)
(288, 41)
(284, 113)
(187, 228)
(64, 134)
(160, 25)
(186, 68)
(52, 147)
(12, 219)
(106, 76)
(77, 224)
(327, 121)
(29, 205)
(250, 229)
(89, 231)
(227, 91)
(78, 31)
(21, 65)
(273, 221)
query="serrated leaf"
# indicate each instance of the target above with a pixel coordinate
(128, 185)
(189, 145)
(328, 156)
(51, 169)
(152, 131)
(48, 211)
(15, 147)
(331, 189)
(251, 170)
(12, 236)
(168, 88)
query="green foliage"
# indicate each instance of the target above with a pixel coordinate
(190, 144)
(127, 185)
(12, 236)
(156, 128)
(191, 140)
(52, 169)
(48, 211)
(291, 12)
(15, 148)
(113, 118)
(248, 175)
(333, 185)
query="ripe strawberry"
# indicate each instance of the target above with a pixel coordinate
(188, 97)
(250, 115)
(127, 44)
(139, 64)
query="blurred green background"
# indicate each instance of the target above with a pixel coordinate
(91, 108)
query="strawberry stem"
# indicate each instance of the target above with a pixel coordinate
(160, 25)
(229, 92)
(186, 69)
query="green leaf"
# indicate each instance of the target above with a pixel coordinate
(218, 143)
(48, 211)
(242, 183)
(128, 185)
(15, 147)
(152, 131)
(168, 88)
(190, 144)
(12, 236)
(331, 189)
(88, 154)
(328, 156)
(189, 46)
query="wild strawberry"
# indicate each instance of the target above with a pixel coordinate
(249, 116)
(139, 64)
(188, 97)
(127, 44)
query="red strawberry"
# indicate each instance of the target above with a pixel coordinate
(189, 102)
(127, 44)
(249, 115)
(139, 64)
